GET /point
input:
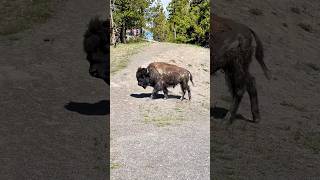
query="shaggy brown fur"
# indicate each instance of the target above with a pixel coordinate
(160, 76)
(231, 51)
(97, 47)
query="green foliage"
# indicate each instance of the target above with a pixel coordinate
(189, 21)
(19, 15)
(159, 23)
(130, 13)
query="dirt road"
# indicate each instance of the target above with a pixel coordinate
(52, 113)
(161, 139)
(286, 143)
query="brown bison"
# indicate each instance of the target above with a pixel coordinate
(97, 47)
(160, 76)
(232, 48)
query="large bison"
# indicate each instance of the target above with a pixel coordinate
(160, 76)
(96, 45)
(232, 48)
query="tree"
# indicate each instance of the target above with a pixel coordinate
(189, 21)
(200, 19)
(179, 19)
(159, 22)
(130, 14)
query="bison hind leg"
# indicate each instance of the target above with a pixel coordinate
(252, 91)
(183, 89)
(189, 92)
(231, 115)
(237, 89)
(165, 92)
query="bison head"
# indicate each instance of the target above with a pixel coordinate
(96, 45)
(99, 66)
(143, 77)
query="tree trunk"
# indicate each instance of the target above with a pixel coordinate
(174, 32)
(112, 26)
(123, 34)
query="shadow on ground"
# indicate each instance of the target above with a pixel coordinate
(158, 96)
(220, 113)
(100, 108)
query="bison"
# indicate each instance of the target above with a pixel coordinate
(232, 48)
(96, 45)
(160, 76)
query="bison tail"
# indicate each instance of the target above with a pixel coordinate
(190, 76)
(260, 55)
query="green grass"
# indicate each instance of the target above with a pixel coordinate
(121, 54)
(162, 120)
(312, 142)
(19, 15)
(115, 165)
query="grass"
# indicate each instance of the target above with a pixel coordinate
(312, 142)
(152, 116)
(115, 165)
(19, 15)
(121, 54)
(162, 120)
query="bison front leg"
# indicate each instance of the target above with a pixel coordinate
(155, 91)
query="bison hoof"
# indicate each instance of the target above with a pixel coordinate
(256, 119)
(229, 118)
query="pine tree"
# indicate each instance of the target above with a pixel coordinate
(159, 23)
(130, 14)
(179, 19)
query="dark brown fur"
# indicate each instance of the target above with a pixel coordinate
(232, 48)
(160, 76)
(97, 47)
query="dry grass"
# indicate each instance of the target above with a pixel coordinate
(121, 54)
(19, 15)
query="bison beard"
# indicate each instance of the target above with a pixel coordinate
(96, 45)
(231, 51)
(160, 76)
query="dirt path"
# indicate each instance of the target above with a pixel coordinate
(286, 143)
(161, 139)
(53, 115)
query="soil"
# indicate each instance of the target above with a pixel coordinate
(286, 143)
(53, 114)
(157, 138)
